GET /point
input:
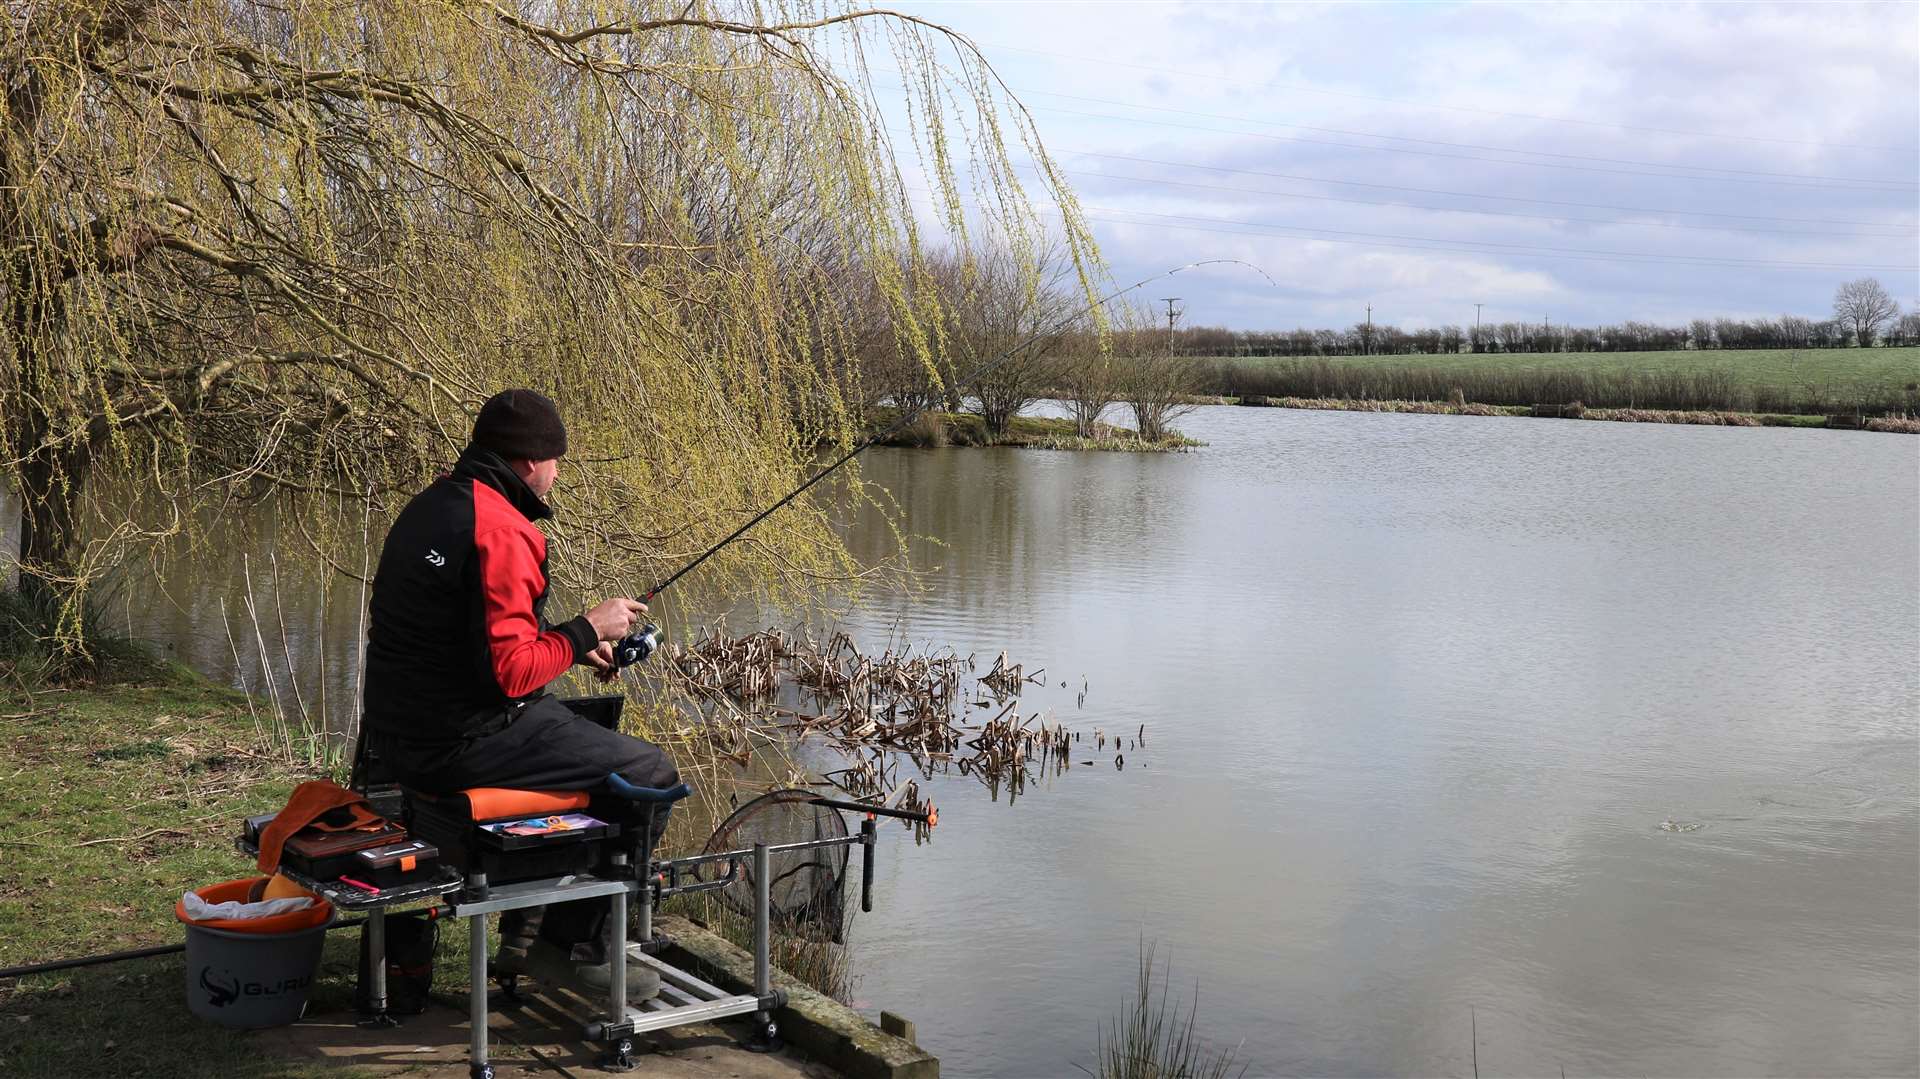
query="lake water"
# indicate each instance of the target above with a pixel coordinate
(1601, 738)
(1420, 693)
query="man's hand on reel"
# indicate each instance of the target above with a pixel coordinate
(614, 618)
(601, 660)
(622, 643)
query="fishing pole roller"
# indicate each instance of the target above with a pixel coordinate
(635, 647)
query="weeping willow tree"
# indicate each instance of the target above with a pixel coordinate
(281, 251)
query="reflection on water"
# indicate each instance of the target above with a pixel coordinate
(1420, 693)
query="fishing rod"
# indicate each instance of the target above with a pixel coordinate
(642, 643)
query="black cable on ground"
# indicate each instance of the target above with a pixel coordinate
(131, 953)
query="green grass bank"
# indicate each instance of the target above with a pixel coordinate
(1775, 367)
(124, 787)
(120, 794)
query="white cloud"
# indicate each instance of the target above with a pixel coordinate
(1812, 77)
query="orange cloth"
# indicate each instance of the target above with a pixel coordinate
(279, 887)
(304, 806)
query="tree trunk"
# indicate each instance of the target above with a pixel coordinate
(51, 480)
(996, 416)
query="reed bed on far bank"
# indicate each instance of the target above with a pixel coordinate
(1900, 423)
(1905, 425)
(1348, 404)
(1705, 391)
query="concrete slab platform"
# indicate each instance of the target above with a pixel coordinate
(539, 1036)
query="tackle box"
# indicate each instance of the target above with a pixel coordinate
(396, 863)
(469, 845)
(329, 855)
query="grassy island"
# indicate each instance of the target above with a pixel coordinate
(934, 430)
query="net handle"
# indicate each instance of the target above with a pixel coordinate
(930, 818)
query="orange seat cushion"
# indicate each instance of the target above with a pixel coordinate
(502, 803)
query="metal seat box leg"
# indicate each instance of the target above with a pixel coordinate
(477, 1066)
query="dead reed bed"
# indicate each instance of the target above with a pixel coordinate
(1354, 404)
(1900, 423)
(1654, 415)
(914, 707)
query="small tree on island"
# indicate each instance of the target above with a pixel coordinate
(1089, 378)
(1862, 307)
(1004, 298)
(1156, 385)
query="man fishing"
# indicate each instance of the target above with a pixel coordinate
(460, 653)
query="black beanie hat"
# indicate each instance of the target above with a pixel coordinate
(520, 425)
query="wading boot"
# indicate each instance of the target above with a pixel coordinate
(518, 930)
(582, 970)
(564, 945)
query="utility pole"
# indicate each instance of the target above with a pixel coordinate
(1368, 340)
(1476, 327)
(1171, 316)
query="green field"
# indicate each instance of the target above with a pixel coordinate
(1837, 368)
(1866, 382)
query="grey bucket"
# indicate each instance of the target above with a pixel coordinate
(251, 980)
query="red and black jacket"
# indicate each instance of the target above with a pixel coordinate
(455, 630)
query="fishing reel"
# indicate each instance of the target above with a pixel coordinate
(635, 647)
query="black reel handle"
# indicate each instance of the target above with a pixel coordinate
(866, 865)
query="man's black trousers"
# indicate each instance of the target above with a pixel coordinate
(544, 745)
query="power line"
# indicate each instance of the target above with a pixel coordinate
(1476, 195)
(1458, 157)
(1642, 256)
(1108, 62)
(1658, 261)
(1903, 230)
(1021, 93)
(1464, 145)
(1817, 184)
(1469, 210)
(1472, 247)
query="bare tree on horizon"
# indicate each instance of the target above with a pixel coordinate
(1864, 306)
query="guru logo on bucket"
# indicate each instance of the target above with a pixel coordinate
(229, 989)
(219, 995)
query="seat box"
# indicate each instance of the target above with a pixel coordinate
(447, 823)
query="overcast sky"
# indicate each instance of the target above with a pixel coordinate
(1585, 163)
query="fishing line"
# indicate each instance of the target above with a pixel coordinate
(907, 417)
